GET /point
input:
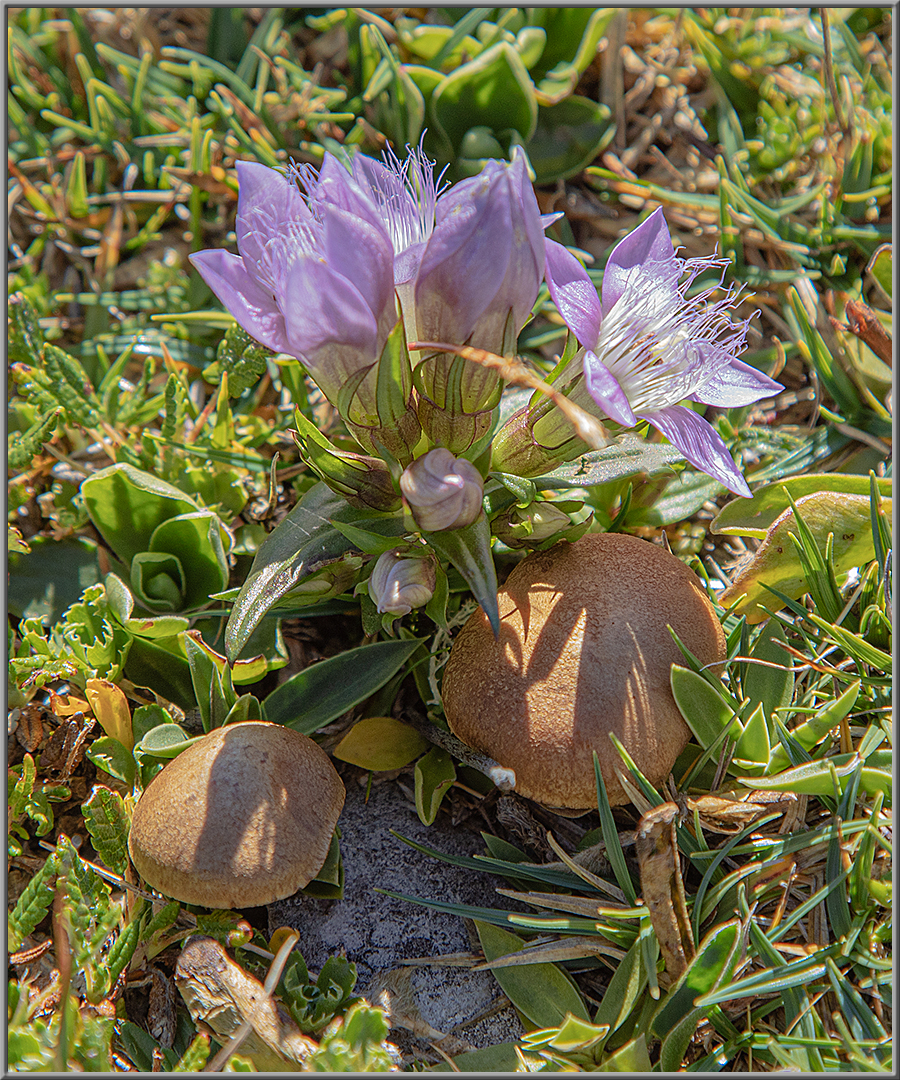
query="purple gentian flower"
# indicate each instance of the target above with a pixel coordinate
(314, 277)
(648, 346)
(464, 257)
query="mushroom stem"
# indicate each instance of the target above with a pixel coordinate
(499, 775)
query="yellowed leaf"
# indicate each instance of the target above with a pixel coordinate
(110, 706)
(777, 563)
(380, 743)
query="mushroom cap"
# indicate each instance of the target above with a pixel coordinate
(243, 817)
(584, 651)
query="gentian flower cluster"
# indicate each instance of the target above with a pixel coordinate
(354, 269)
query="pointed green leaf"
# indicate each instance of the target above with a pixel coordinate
(767, 685)
(328, 689)
(705, 711)
(304, 542)
(542, 993)
(469, 550)
(433, 775)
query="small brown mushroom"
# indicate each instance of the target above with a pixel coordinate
(584, 651)
(243, 817)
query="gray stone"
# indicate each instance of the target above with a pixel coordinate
(377, 932)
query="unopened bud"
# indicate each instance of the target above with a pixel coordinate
(531, 524)
(442, 491)
(400, 583)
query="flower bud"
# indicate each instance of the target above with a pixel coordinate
(442, 491)
(400, 583)
(531, 524)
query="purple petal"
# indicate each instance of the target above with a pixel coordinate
(322, 307)
(700, 443)
(573, 293)
(360, 253)
(465, 260)
(336, 187)
(253, 307)
(548, 219)
(604, 388)
(735, 385)
(646, 250)
(267, 200)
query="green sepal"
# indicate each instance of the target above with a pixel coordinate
(469, 550)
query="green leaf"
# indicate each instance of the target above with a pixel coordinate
(814, 729)
(816, 777)
(678, 1016)
(112, 757)
(501, 1057)
(771, 687)
(302, 543)
(161, 666)
(493, 90)
(542, 993)
(704, 709)
(24, 446)
(165, 741)
(626, 457)
(126, 505)
(196, 540)
(433, 775)
(33, 904)
(569, 135)
(328, 689)
(46, 581)
(469, 550)
(881, 267)
(625, 987)
(108, 823)
(194, 1059)
(752, 748)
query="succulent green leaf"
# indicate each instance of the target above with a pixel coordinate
(126, 505)
(494, 90)
(569, 135)
(769, 686)
(704, 709)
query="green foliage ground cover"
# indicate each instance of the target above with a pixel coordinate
(150, 455)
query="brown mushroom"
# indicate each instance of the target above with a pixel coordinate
(243, 817)
(584, 651)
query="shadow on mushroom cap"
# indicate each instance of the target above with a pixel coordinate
(583, 651)
(242, 818)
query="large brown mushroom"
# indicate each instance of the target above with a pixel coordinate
(584, 651)
(243, 817)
